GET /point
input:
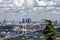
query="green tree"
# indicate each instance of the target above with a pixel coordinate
(49, 30)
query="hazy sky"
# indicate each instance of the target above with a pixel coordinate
(34, 9)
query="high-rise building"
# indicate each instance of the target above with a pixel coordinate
(28, 20)
(4, 21)
(23, 21)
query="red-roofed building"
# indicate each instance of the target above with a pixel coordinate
(57, 38)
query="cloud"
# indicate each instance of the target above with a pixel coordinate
(29, 2)
(51, 3)
(36, 13)
(18, 2)
(45, 3)
(42, 3)
(1, 1)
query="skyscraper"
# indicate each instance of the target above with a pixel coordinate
(27, 20)
(4, 21)
(23, 21)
